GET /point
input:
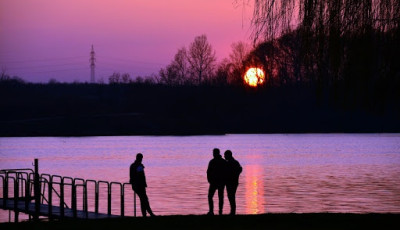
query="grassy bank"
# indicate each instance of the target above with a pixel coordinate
(264, 221)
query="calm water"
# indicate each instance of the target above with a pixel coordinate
(281, 173)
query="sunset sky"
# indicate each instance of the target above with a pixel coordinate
(44, 39)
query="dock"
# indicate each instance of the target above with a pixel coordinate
(58, 197)
(56, 213)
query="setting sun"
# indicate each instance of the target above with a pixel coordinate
(254, 77)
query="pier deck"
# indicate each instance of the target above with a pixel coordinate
(57, 197)
(44, 210)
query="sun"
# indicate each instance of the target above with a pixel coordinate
(254, 77)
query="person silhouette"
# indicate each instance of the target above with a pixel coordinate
(232, 179)
(216, 178)
(138, 182)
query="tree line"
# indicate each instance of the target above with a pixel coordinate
(347, 49)
(196, 65)
(338, 45)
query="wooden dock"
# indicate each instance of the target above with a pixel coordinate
(27, 191)
(56, 211)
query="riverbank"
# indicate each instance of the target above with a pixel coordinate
(263, 221)
(134, 109)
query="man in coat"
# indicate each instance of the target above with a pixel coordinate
(232, 179)
(138, 182)
(216, 172)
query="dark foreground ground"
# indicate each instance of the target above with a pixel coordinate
(264, 221)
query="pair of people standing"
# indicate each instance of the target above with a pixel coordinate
(220, 173)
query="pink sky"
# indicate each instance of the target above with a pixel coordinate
(43, 39)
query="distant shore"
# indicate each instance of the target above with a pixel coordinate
(263, 221)
(120, 110)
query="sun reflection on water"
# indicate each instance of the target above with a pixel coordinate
(254, 190)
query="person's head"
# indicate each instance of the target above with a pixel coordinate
(228, 154)
(216, 153)
(139, 157)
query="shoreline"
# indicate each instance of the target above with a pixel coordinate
(260, 221)
(203, 134)
(109, 110)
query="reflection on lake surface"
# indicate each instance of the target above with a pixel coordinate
(254, 190)
(281, 173)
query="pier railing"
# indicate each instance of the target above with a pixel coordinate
(61, 196)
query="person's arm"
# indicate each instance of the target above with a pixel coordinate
(131, 173)
(209, 172)
(239, 168)
(144, 180)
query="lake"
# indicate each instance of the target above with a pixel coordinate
(301, 173)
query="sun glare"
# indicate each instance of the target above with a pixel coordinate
(254, 77)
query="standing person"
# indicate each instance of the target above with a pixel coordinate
(232, 179)
(216, 172)
(138, 181)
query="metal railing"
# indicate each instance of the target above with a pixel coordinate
(20, 180)
(76, 190)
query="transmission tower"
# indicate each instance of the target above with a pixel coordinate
(92, 65)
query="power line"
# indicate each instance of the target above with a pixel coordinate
(130, 61)
(44, 60)
(76, 57)
(53, 71)
(45, 66)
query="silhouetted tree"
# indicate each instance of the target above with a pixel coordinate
(114, 78)
(272, 18)
(237, 58)
(168, 75)
(6, 78)
(3, 75)
(330, 42)
(118, 78)
(240, 50)
(139, 79)
(149, 80)
(181, 65)
(177, 72)
(53, 81)
(125, 78)
(201, 58)
(223, 73)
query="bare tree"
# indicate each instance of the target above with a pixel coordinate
(3, 75)
(240, 51)
(176, 73)
(53, 81)
(114, 78)
(168, 75)
(333, 34)
(125, 78)
(139, 79)
(201, 57)
(181, 65)
(273, 18)
(223, 73)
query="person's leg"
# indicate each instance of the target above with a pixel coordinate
(147, 203)
(141, 192)
(230, 196)
(211, 192)
(221, 198)
(231, 190)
